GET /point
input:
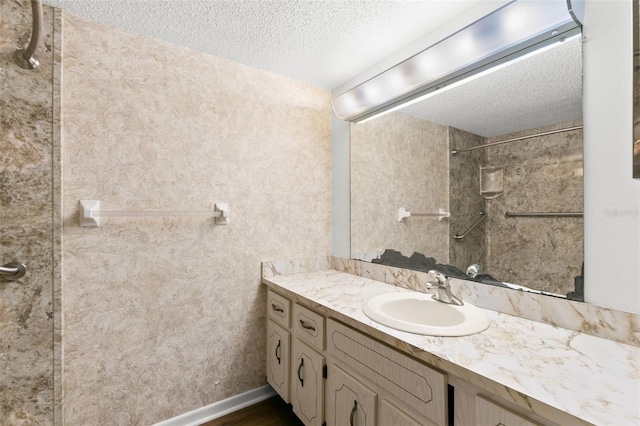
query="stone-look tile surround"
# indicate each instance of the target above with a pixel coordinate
(561, 375)
(465, 201)
(541, 174)
(30, 220)
(166, 315)
(623, 327)
(399, 161)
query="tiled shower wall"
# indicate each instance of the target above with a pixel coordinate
(166, 315)
(29, 220)
(541, 174)
(466, 203)
(399, 161)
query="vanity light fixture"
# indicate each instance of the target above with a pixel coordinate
(516, 29)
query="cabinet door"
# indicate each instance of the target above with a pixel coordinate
(307, 385)
(491, 414)
(348, 402)
(392, 415)
(278, 359)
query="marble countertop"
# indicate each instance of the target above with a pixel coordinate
(548, 370)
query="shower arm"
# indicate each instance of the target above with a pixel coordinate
(24, 57)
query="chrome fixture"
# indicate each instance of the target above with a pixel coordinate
(473, 270)
(483, 216)
(518, 28)
(543, 214)
(13, 271)
(443, 289)
(551, 132)
(24, 57)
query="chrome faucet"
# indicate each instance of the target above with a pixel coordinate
(443, 289)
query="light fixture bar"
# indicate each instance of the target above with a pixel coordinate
(515, 29)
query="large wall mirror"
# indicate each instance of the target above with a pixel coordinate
(636, 89)
(514, 208)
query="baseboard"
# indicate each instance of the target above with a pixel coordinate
(220, 408)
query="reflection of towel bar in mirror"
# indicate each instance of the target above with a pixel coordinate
(543, 214)
(403, 214)
(483, 216)
(551, 132)
(89, 213)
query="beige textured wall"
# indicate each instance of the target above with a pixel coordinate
(399, 161)
(29, 220)
(162, 316)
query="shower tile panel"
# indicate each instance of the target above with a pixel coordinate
(466, 203)
(27, 128)
(541, 174)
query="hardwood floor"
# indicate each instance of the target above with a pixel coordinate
(271, 412)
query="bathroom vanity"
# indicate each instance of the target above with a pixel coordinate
(337, 366)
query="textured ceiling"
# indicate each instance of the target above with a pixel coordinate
(534, 92)
(322, 42)
(328, 42)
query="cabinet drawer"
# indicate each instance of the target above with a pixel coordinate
(491, 414)
(278, 309)
(415, 384)
(308, 326)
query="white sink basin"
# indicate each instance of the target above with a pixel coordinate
(419, 313)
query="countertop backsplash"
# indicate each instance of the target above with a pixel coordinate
(619, 326)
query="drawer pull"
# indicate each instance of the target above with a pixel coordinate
(307, 326)
(299, 370)
(278, 350)
(276, 308)
(353, 412)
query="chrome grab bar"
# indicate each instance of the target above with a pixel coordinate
(543, 214)
(13, 271)
(482, 217)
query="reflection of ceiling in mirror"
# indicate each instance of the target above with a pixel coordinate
(537, 91)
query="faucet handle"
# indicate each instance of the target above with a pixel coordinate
(441, 279)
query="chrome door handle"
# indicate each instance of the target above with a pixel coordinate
(13, 271)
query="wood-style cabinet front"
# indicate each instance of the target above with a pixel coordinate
(307, 384)
(348, 402)
(278, 365)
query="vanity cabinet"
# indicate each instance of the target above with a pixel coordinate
(338, 376)
(334, 375)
